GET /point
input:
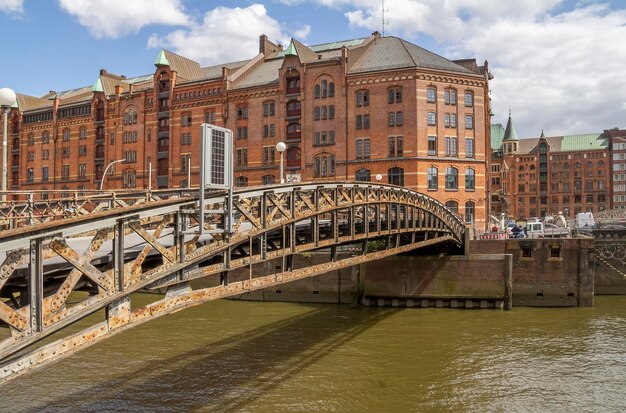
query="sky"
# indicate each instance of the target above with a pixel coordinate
(559, 65)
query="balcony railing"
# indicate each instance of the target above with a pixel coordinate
(294, 113)
(293, 90)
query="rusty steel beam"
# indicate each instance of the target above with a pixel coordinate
(389, 211)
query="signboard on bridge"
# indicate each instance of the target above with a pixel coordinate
(216, 157)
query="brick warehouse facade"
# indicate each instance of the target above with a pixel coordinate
(535, 177)
(347, 111)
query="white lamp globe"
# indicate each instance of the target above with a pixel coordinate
(379, 177)
(7, 97)
(280, 147)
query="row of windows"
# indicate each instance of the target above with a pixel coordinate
(324, 112)
(450, 97)
(129, 137)
(449, 120)
(130, 156)
(324, 138)
(76, 111)
(566, 199)
(130, 117)
(451, 179)
(324, 89)
(187, 95)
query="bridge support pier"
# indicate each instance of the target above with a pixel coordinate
(357, 287)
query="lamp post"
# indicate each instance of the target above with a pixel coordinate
(106, 169)
(280, 147)
(7, 99)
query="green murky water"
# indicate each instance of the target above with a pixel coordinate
(278, 357)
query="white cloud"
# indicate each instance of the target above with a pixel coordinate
(12, 6)
(119, 18)
(559, 67)
(302, 33)
(225, 34)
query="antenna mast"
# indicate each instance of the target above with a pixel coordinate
(383, 18)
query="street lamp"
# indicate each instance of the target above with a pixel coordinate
(7, 99)
(106, 169)
(280, 147)
(379, 177)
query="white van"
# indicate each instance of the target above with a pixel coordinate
(534, 229)
(585, 220)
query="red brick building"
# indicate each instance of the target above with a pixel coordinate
(346, 110)
(542, 176)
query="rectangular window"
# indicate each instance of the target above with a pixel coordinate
(432, 119)
(392, 147)
(469, 148)
(366, 121)
(392, 119)
(469, 99)
(453, 147)
(359, 149)
(82, 170)
(44, 174)
(469, 122)
(359, 122)
(65, 173)
(447, 146)
(432, 146)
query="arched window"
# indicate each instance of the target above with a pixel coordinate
(331, 89)
(432, 118)
(362, 98)
(452, 206)
(431, 94)
(395, 176)
(362, 175)
(543, 148)
(318, 91)
(433, 178)
(470, 184)
(241, 181)
(469, 212)
(268, 179)
(394, 95)
(324, 88)
(323, 166)
(450, 97)
(521, 168)
(469, 99)
(452, 178)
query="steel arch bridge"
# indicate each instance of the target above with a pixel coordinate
(94, 252)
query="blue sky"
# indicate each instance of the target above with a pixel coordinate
(558, 64)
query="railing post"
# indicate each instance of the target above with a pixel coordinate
(118, 255)
(35, 285)
(31, 207)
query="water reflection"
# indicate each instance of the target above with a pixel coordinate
(256, 357)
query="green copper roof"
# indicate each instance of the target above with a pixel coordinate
(97, 87)
(583, 142)
(497, 133)
(509, 133)
(161, 60)
(291, 50)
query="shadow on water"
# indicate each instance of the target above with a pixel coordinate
(225, 375)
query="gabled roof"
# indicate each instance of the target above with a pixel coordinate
(567, 143)
(215, 72)
(298, 49)
(26, 103)
(387, 53)
(185, 68)
(265, 74)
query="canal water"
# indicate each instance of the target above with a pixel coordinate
(280, 357)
